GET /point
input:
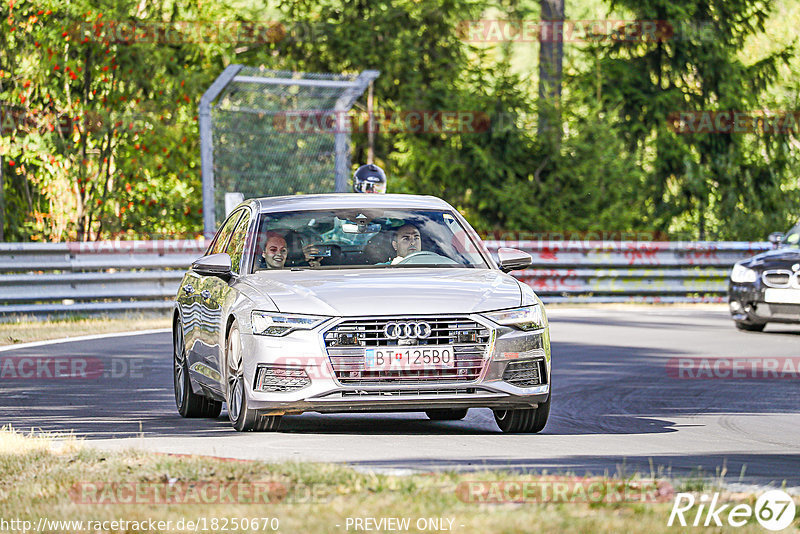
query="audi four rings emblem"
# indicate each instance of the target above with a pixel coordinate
(419, 330)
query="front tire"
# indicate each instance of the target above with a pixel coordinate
(446, 414)
(525, 421)
(243, 418)
(188, 402)
(750, 327)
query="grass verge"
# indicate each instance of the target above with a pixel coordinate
(60, 479)
(25, 329)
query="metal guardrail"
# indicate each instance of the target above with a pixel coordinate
(94, 277)
(140, 276)
(631, 271)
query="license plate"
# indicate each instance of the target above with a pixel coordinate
(782, 296)
(409, 358)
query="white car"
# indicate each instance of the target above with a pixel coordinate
(354, 302)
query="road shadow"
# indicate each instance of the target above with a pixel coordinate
(748, 468)
(612, 321)
(598, 388)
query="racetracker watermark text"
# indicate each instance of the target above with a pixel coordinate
(69, 368)
(178, 492)
(192, 524)
(583, 31)
(734, 122)
(384, 121)
(576, 31)
(177, 32)
(560, 489)
(734, 368)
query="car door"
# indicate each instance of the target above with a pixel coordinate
(202, 350)
(218, 294)
(188, 301)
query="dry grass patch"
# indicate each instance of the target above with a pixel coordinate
(73, 482)
(25, 329)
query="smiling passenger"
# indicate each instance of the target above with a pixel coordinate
(275, 251)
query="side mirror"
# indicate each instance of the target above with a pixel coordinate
(511, 259)
(776, 238)
(213, 265)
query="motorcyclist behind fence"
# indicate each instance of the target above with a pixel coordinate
(369, 178)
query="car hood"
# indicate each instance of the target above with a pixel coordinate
(359, 292)
(778, 258)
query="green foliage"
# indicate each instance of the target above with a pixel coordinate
(501, 176)
(104, 135)
(104, 140)
(709, 185)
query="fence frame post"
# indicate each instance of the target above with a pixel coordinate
(207, 147)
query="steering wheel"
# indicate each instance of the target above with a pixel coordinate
(426, 257)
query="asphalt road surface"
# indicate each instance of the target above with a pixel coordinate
(618, 406)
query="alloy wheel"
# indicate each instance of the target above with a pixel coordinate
(235, 375)
(178, 361)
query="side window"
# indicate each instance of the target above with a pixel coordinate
(236, 247)
(224, 233)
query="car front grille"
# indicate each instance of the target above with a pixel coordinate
(346, 344)
(525, 373)
(781, 278)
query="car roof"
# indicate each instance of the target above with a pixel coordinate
(349, 200)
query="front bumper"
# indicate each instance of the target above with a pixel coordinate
(747, 304)
(324, 393)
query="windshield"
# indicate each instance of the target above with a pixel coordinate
(792, 238)
(364, 238)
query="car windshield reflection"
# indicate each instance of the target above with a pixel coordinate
(365, 239)
(792, 238)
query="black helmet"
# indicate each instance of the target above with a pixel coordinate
(369, 179)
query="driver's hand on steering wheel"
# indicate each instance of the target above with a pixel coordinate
(401, 259)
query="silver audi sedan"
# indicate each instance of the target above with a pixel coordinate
(358, 303)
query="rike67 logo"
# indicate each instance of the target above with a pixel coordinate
(774, 510)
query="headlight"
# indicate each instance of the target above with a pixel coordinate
(741, 274)
(525, 318)
(280, 324)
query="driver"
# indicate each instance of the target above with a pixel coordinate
(406, 241)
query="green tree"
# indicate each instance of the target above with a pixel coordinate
(104, 103)
(710, 185)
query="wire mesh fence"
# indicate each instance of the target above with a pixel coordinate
(270, 133)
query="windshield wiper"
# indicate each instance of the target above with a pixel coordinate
(434, 265)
